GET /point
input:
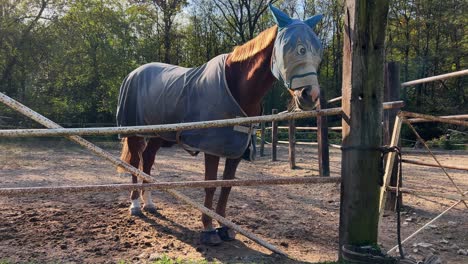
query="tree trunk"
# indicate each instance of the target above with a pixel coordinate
(167, 38)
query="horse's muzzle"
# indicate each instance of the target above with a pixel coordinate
(307, 96)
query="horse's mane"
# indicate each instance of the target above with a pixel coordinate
(255, 45)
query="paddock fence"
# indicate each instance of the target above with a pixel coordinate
(404, 118)
(74, 134)
(409, 119)
(293, 130)
(391, 88)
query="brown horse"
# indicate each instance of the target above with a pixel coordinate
(250, 71)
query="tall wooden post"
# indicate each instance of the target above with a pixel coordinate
(274, 136)
(391, 93)
(292, 144)
(262, 139)
(322, 138)
(363, 80)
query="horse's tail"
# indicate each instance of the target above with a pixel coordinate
(138, 145)
(125, 155)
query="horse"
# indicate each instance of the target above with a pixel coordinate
(228, 86)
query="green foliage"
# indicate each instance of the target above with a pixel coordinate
(450, 141)
(67, 59)
(167, 260)
(427, 38)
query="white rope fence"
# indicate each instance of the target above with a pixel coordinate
(426, 225)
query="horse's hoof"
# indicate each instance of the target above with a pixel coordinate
(136, 211)
(210, 238)
(226, 233)
(150, 209)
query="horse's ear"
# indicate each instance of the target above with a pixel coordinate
(281, 19)
(313, 21)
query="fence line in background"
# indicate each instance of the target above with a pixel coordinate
(385, 105)
(298, 143)
(274, 136)
(292, 144)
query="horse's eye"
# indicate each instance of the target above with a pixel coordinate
(301, 50)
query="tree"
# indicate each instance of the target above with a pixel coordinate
(169, 9)
(16, 40)
(241, 17)
(68, 58)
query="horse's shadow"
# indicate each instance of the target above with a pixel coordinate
(229, 252)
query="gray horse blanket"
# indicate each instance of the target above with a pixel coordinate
(158, 93)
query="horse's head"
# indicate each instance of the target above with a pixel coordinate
(296, 57)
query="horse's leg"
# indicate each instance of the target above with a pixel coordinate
(132, 149)
(229, 173)
(209, 235)
(148, 156)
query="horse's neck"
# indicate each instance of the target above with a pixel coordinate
(250, 80)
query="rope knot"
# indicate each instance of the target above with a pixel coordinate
(387, 149)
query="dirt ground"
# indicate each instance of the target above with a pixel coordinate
(302, 220)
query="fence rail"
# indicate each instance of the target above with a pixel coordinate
(162, 186)
(167, 127)
(336, 99)
(298, 143)
(454, 117)
(428, 194)
(428, 164)
(436, 78)
(306, 128)
(434, 118)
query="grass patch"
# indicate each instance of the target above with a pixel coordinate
(167, 260)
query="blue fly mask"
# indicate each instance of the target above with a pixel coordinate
(296, 57)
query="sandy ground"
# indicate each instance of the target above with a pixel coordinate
(300, 219)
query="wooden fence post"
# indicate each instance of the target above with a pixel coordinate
(262, 139)
(274, 136)
(362, 94)
(292, 144)
(391, 157)
(322, 139)
(391, 93)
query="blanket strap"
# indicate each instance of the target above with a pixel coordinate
(179, 142)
